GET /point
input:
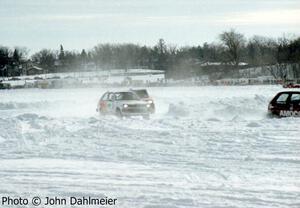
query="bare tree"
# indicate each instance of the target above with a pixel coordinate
(234, 42)
(45, 58)
(262, 51)
(278, 71)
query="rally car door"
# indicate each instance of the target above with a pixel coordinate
(295, 102)
(103, 103)
(282, 103)
(110, 102)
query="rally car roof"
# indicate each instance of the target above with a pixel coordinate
(291, 91)
(118, 91)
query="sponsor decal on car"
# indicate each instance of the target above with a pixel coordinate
(287, 113)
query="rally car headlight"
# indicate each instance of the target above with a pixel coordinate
(150, 101)
(148, 105)
(125, 106)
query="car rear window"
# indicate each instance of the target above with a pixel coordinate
(282, 98)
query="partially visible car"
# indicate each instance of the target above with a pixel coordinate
(144, 95)
(285, 104)
(291, 85)
(123, 104)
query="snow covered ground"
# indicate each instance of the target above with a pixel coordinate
(224, 152)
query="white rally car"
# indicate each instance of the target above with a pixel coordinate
(123, 104)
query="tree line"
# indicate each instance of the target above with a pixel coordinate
(231, 50)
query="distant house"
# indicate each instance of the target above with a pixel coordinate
(32, 70)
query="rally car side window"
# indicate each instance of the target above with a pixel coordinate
(282, 99)
(111, 96)
(295, 98)
(118, 96)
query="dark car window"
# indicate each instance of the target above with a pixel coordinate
(141, 93)
(282, 99)
(295, 98)
(111, 96)
(126, 96)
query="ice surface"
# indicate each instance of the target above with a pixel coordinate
(224, 153)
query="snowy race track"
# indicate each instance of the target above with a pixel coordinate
(224, 153)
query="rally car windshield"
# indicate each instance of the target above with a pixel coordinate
(126, 96)
(142, 93)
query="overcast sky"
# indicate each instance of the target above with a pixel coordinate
(79, 24)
